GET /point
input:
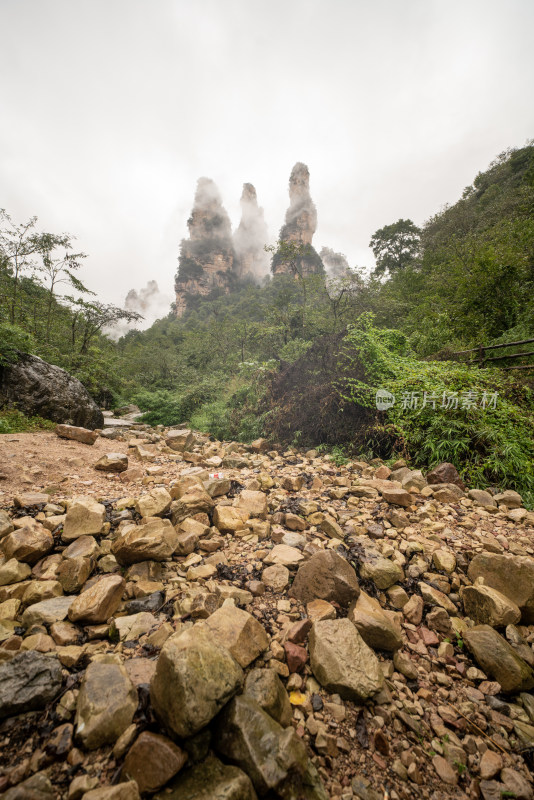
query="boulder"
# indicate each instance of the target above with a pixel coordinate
(266, 688)
(122, 791)
(326, 576)
(106, 704)
(397, 497)
(342, 662)
(383, 572)
(155, 540)
(511, 575)
(445, 473)
(179, 440)
(488, 606)
(242, 635)
(229, 519)
(153, 504)
(47, 612)
(83, 435)
(482, 498)
(84, 517)
(195, 677)
(28, 682)
(112, 462)
(377, 627)
(209, 780)
(269, 754)
(28, 544)
(99, 602)
(498, 659)
(13, 571)
(152, 761)
(36, 387)
(253, 503)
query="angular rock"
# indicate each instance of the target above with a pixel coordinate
(342, 662)
(268, 753)
(482, 498)
(28, 544)
(285, 555)
(266, 689)
(112, 462)
(98, 603)
(253, 504)
(28, 682)
(13, 571)
(106, 704)
(444, 561)
(72, 573)
(41, 590)
(83, 435)
(377, 628)
(511, 575)
(445, 473)
(179, 439)
(155, 540)
(436, 598)
(276, 577)
(209, 780)
(195, 677)
(326, 576)
(152, 761)
(194, 501)
(84, 517)
(498, 659)
(487, 606)
(509, 498)
(47, 611)
(242, 635)
(383, 572)
(229, 519)
(122, 791)
(397, 497)
(153, 504)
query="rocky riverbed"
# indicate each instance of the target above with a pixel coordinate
(185, 618)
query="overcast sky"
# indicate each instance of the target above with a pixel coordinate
(111, 110)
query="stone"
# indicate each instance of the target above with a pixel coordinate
(98, 603)
(28, 544)
(326, 576)
(83, 435)
(239, 632)
(72, 573)
(106, 704)
(516, 784)
(444, 561)
(331, 528)
(229, 519)
(482, 498)
(276, 577)
(266, 689)
(155, 540)
(498, 659)
(154, 504)
(383, 572)
(509, 498)
(13, 571)
(342, 662)
(152, 761)
(377, 627)
(444, 770)
(320, 609)
(436, 598)
(295, 523)
(285, 555)
(490, 765)
(133, 626)
(445, 473)
(140, 670)
(28, 682)
(36, 787)
(195, 677)
(268, 753)
(84, 517)
(252, 503)
(487, 606)
(47, 612)
(397, 497)
(179, 439)
(41, 590)
(36, 387)
(112, 462)
(195, 501)
(209, 780)
(30, 500)
(511, 575)
(122, 791)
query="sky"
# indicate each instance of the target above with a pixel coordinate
(110, 110)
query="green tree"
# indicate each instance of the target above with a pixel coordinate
(395, 246)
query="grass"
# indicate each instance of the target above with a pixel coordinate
(14, 421)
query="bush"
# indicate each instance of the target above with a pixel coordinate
(13, 340)
(14, 421)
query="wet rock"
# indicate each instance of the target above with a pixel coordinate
(342, 662)
(28, 544)
(112, 462)
(99, 602)
(195, 677)
(266, 689)
(152, 761)
(28, 682)
(106, 704)
(377, 627)
(84, 517)
(155, 540)
(498, 659)
(210, 780)
(268, 753)
(326, 576)
(487, 606)
(239, 632)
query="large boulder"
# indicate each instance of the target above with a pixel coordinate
(511, 575)
(106, 704)
(37, 387)
(498, 659)
(326, 576)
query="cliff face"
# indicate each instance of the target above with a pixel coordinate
(207, 258)
(251, 237)
(300, 225)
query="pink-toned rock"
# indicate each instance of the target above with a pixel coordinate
(445, 473)
(296, 656)
(152, 761)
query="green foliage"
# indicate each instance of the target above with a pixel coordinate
(12, 341)
(14, 421)
(492, 446)
(395, 246)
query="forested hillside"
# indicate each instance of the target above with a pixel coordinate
(299, 356)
